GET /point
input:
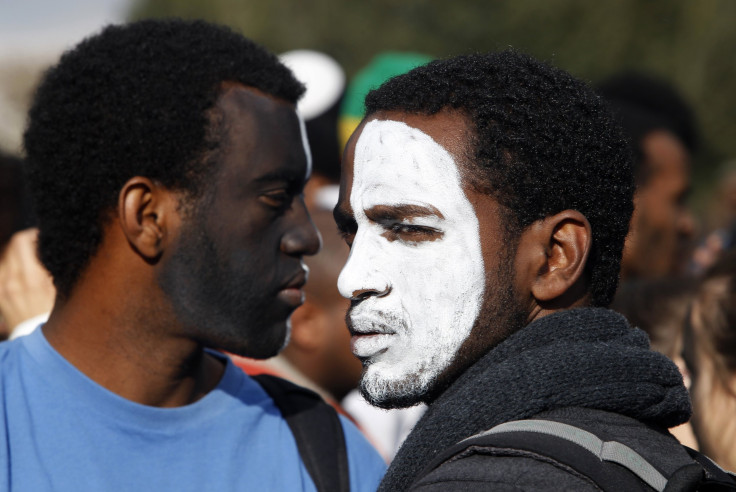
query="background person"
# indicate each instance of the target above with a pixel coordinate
(26, 290)
(659, 306)
(710, 352)
(661, 129)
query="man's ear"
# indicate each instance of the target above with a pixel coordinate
(147, 213)
(558, 246)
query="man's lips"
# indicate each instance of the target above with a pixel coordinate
(368, 336)
(292, 292)
(367, 344)
(367, 323)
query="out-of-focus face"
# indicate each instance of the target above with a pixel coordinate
(416, 272)
(662, 226)
(236, 272)
(713, 386)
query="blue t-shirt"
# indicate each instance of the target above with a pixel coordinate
(61, 431)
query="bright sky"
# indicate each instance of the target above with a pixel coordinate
(47, 26)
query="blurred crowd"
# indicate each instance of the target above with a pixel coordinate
(678, 276)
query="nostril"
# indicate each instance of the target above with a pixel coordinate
(362, 294)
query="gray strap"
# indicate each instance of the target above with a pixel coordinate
(604, 450)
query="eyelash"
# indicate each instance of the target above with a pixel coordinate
(278, 199)
(400, 228)
(411, 233)
(346, 236)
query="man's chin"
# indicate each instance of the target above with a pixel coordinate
(263, 347)
(393, 394)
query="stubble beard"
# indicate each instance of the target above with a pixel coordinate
(501, 314)
(214, 306)
(388, 394)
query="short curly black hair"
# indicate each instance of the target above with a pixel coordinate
(133, 100)
(544, 142)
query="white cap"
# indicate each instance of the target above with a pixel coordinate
(323, 77)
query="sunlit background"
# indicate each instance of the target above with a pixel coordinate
(690, 43)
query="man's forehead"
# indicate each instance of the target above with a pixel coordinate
(398, 132)
(400, 157)
(250, 107)
(399, 171)
(263, 127)
(236, 97)
(450, 130)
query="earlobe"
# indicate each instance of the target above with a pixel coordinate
(144, 208)
(566, 239)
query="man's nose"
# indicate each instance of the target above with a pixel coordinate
(302, 238)
(365, 273)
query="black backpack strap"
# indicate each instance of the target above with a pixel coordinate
(710, 477)
(561, 445)
(610, 451)
(317, 430)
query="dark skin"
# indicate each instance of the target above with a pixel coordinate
(547, 270)
(662, 225)
(123, 330)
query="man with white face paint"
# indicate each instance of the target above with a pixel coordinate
(428, 254)
(486, 200)
(172, 219)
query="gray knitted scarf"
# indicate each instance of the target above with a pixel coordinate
(587, 357)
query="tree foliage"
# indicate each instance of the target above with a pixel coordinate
(690, 43)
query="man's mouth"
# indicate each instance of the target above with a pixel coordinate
(370, 344)
(292, 293)
(369, 336)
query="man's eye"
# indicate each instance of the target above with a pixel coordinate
(412, 232)
(348, 237)
(277, 199)
(406, 229)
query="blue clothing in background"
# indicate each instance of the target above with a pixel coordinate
(61, 431)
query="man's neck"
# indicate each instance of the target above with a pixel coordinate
(128, 346)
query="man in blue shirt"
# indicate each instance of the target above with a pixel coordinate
(167, 164)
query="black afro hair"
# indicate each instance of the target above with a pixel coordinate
(544, 142)
(132, 100)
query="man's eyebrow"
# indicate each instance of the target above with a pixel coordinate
(379, 213)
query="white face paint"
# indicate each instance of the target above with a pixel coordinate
(308, 174)
(305, 144)
(415, 260)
